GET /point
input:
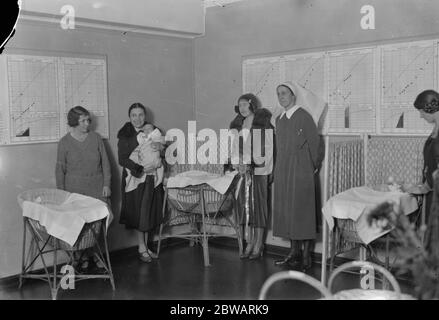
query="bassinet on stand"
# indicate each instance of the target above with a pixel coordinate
(367, 160)
(43, 243)
(202, 204)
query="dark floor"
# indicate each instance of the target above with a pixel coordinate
(180, 274)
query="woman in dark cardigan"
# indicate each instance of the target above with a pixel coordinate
(141, 207)
(427, 102)
(257, 173)
(82, 166)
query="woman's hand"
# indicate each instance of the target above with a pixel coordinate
(150, 167)
(270, 178)
(106, 192)
(157, 146)
(381, 224)
(416, 189)
(242, 168)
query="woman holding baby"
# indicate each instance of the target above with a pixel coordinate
(142, 200)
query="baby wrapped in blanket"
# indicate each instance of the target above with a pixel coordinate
(146, 156)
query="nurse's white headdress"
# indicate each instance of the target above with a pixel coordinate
(309, 101)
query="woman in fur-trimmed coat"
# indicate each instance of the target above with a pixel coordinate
(141, 207)
(257, 143)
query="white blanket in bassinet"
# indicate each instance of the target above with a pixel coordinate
(195, 177)
(65, 221)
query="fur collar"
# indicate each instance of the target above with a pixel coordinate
(127, 131)
(260, 121)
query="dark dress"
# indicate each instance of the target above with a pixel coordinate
(431, 161)
(259, 191)
(141, 207)
(297, 156)
(83, 166)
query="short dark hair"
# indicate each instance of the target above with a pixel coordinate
(136, 105)
(252, 99)
(74, 114)
(427, 101)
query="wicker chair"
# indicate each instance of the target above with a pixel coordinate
(43, 243)
(293, 275)
(370, 271)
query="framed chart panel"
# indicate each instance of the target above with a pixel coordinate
(369, 90)
(40, 91)
(407, 69)
(351, 91)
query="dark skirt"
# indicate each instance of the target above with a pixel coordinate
(259, 206)
(142, 207)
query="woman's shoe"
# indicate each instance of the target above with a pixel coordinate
(145, 257)
(247, 253)
(83, 266)
(292, 260)
(152, 254)
(258, 254)
(283, 261)
(295, 264)
(98, 267)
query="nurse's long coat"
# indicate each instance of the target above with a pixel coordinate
(296, 161)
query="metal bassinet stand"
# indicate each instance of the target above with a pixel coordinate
(43, 243)
(205, 204)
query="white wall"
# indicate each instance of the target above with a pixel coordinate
(263, 27)
(186, 16)
(156, 71)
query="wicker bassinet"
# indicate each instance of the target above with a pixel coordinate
(188, 199)
(86, 239)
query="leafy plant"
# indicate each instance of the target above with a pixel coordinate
(421, 260)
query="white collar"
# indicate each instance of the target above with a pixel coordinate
(290, 112)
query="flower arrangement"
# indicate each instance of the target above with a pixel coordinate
(419, 258)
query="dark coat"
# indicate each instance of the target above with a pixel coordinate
(127, 136)
(260, 190)
(297, 160)
(431, 162)
(261, 121)
(142, 207)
